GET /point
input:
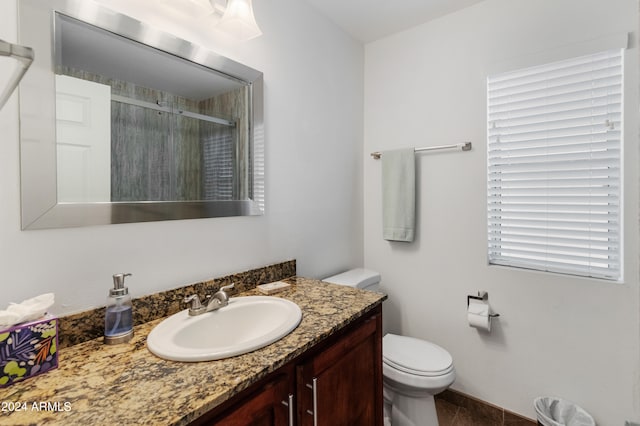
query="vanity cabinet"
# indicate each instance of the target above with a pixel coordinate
(342, 384)
(338, 382)
(270, 405)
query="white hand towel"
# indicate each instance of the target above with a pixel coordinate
(398, 195)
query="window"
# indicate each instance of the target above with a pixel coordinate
(218, 163)
(554, 166)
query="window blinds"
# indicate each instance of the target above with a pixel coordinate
(554, 166)
(218, 164)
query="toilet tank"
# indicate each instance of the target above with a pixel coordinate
(365, 279)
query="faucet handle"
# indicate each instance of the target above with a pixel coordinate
(196, 307)
(194, 300)
(221, 295)
(227, 287)
(223, 290)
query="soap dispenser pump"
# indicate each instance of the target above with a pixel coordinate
(118, 320)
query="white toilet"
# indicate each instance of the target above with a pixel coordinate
(414, 370)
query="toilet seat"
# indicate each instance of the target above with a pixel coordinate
(417, 372)
(415, 356)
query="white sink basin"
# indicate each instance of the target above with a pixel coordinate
(244, 325)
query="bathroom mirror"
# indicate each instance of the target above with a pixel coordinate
(120, 122)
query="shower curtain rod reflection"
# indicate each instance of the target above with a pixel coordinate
(159, 107)
(465, 146)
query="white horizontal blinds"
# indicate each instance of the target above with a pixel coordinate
(554, 159)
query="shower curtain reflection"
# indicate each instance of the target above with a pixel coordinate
(168, 156)
(158, 156)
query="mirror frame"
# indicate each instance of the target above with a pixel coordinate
(39, 206)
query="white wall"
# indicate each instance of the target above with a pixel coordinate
(313, 124)
(557, 335)
(576, 338)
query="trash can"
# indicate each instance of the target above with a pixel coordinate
(558, 412)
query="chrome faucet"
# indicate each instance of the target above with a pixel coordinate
(219, 300)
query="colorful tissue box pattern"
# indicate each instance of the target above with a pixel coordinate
(28, 349)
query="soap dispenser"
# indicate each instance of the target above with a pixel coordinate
(118, 320)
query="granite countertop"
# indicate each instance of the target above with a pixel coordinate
(97, 384)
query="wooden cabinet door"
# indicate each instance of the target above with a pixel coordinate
(266, 407)
(342, 386)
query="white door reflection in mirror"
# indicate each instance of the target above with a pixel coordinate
(83, 140)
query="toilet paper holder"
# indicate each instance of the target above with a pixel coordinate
(483, 296)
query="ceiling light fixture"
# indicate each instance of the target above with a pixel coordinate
(238, 19)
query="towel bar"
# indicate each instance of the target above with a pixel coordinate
(465, 146)
(24, 55)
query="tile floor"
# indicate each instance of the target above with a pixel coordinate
(455, 409)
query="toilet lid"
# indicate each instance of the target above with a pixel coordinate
(415, 356)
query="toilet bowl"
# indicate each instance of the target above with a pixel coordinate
(413, 370)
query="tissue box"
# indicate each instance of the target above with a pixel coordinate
(28, 349)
